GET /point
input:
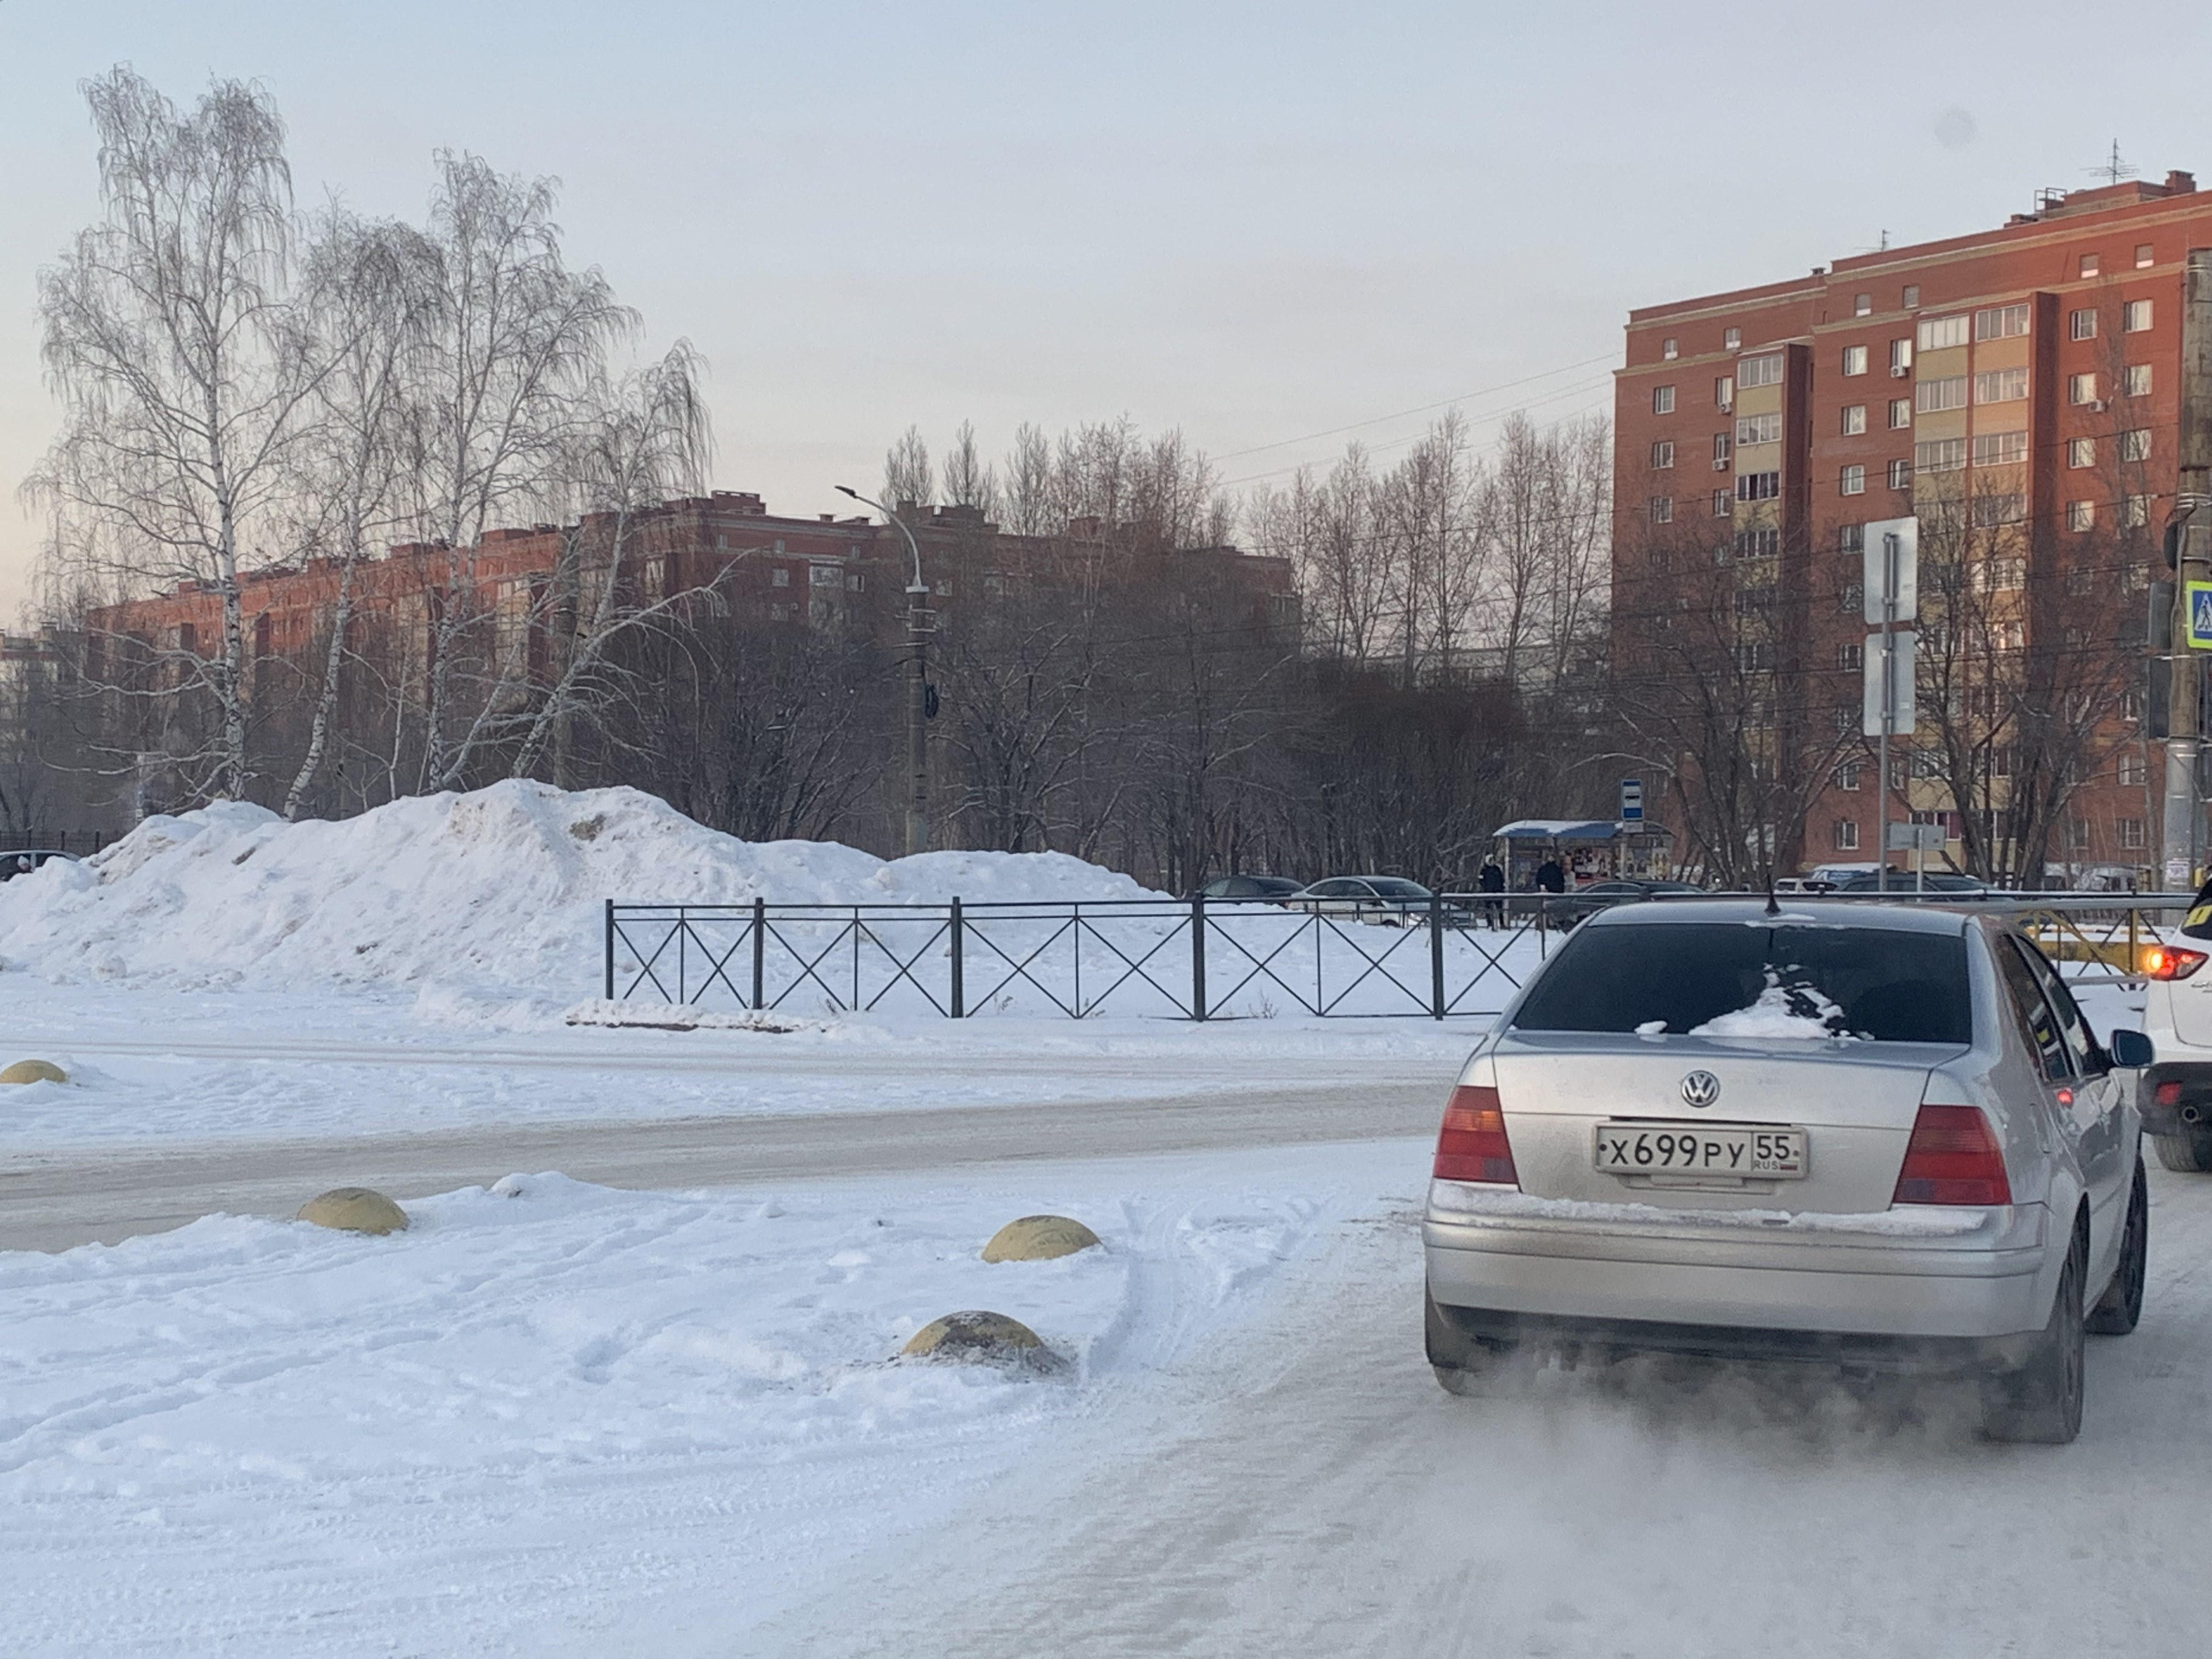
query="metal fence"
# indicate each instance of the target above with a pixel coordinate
(1198, 959)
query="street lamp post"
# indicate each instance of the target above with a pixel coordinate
(920, 623)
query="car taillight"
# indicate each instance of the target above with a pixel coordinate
(1471, 1146)
(2170, 962)
(1953, 1159)
(2168, 1093)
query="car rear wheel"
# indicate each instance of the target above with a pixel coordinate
(2190, 1152)
(2040, 1403)
(1459, 1361)
(2121, 1305)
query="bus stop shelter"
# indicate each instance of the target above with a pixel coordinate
(1588, 849)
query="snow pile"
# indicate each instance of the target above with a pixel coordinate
(480, 899)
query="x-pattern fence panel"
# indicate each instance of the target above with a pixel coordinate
(1165, 958)
(1143, 958)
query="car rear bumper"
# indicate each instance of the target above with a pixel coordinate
(2194, 1107)
(1942, 1274)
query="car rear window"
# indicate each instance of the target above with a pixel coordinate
(1878, 984)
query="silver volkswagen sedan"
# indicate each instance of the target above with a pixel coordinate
(1876, 1136)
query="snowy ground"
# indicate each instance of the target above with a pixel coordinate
(569, 1420)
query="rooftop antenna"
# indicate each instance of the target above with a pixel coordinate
(2112, 169)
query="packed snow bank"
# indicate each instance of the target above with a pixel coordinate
(488, 898)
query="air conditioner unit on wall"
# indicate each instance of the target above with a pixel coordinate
(1899, 371)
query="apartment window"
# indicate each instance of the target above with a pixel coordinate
(2010, 637)
(2080, 515)
(779, 579)
(1663, 453)
(1760, 371)
(2001, 385)
(2001, 322)
(1855, 360)
(1731, 338)
(1854, 419)
(2000, 448)
(1662, 400)
(2132, 771)
(2077, 834)
(1911, 295)
(2144, 258)
(1900, 474)
(1950, 393)
(1758, 544)
(2135, 380)
(1862, 305)
(2001, 575)
(2080, 453)
(825, 575)
(1940, 333)
(1853, 595)
(1757, 430)
(1754, 601)
(2135, 318)
(2081, 388)
(1722, 504)
(1758, 486)
(1847, 835)
(2083, 325)
(1900, 359)
(1667, 351)
(1851, 655)
(2136, 445)
(1846, 776)
(1853, 482)
(1850, 539)
(1720, 451)
(1939, 455)
(2131, 705)
(2088, 264)
(1994, 508)
(2134, 512)
(1900, 413)
(2130, 832)
(1662, 509)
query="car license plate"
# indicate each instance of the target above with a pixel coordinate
(1750, 1152)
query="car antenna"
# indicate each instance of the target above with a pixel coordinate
(1773, 909)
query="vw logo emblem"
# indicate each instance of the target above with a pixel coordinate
(1700, 1089)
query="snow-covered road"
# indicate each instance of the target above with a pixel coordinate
(577, 1421)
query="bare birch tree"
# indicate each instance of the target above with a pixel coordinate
(171, 338)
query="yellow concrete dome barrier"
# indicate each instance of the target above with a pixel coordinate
(354, 1210)
(977, 1337)
(33, 1070)
(1038, 1238)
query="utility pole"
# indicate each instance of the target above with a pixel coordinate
(921, 624)
(1891, 591)
(2189, 550)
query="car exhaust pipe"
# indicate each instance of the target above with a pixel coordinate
(2191, 1114)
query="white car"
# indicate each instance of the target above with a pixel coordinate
(1876, 1135)
(2176, 1094)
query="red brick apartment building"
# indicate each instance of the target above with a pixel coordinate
(2021, 389)
(823, 572)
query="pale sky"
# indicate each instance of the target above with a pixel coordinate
(1253, 222)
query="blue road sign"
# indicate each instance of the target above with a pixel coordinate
(2200, 615)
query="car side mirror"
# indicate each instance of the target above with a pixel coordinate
(2131, 1050)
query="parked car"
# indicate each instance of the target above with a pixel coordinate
(21, 863)
(1903, 881)
(1251, 887)
(1586, 901)
(1388, 901)
(2176, 1096)
(1884, 1138)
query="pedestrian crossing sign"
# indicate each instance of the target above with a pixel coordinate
(2198, 596)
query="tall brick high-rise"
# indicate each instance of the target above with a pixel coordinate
(2023, 391)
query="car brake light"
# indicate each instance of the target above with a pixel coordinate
(1471, 1146)
(2171, 962)
(1953, 1159)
